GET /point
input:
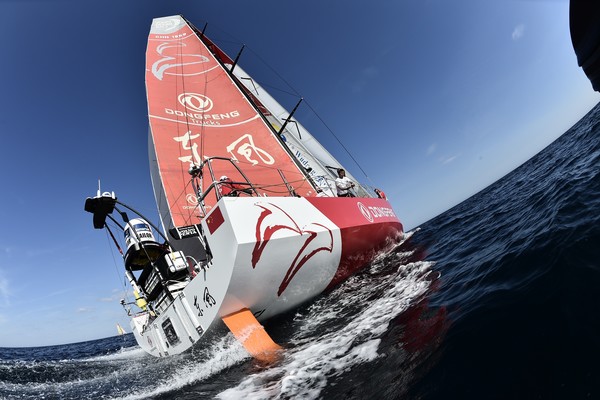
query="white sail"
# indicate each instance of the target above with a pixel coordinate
(120, 330)
(303, 145)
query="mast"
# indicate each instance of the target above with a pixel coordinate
(196, 110)
(263, 111)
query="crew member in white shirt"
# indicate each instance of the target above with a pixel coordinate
(343, 184)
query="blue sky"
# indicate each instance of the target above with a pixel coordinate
(434, 99)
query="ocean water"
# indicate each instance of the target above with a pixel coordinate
(496, 298)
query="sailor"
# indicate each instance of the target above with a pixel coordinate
(228, 188)
(380, 194)
(343, 184)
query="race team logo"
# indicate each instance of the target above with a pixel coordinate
(273, 219)
(171, 61)
(365, 211)
(167, 25)
(195, 102)
(191, 199)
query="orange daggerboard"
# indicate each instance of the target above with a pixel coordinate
(252, 335)
(196, 110)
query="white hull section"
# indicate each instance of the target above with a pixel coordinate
(284, 252)
(270, 255)
(184, 321)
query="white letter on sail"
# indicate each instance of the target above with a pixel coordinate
(185, 143)
(245, 146)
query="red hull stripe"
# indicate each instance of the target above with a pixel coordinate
(367, 227)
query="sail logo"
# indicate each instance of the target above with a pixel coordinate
(195, 102)
(365, 211)
(197, 111)
(191, 199)
(245, 147)
(177, 63)
(166, 25)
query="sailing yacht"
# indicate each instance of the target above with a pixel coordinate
(250, 223)
(120, 330)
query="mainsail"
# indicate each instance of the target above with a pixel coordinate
(196, 111)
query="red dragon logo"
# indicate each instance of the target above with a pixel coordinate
(265, 229)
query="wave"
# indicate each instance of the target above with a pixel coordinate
(339, 331)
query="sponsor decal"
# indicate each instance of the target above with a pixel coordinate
(167, 25)
(365, 211)
(192, 199)
(380, 212)
(269, 222)
(215, 220)
(195, 102)
(373, 212)
(167, 64)
(204, 119)
(197, 107)
(187, 231)
(245, 147)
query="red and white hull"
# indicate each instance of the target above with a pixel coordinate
(271, 255)
(265, 255)
(288, 250)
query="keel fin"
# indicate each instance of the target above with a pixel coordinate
(252, 335)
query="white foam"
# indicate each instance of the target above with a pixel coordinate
(222, 355)
(305, 369)
(123, 354)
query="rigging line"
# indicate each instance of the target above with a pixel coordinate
(339, 141)
(297, 94)
(234, 39)
(266, 85)
(237, 41)
(203, 127)
(160, 194)
(112, 253)
(275, 72)
(187, 121)
(262, 186)
(180, 57)
(183, 150)
(313, 110)
(190, 215)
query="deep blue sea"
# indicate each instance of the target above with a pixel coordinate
(497, 298)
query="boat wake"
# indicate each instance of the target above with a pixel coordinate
(340, 330)
(331, 335)
(324, 339)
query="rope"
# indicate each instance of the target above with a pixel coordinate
(339, 141)
(293, 93)
(117, 271)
